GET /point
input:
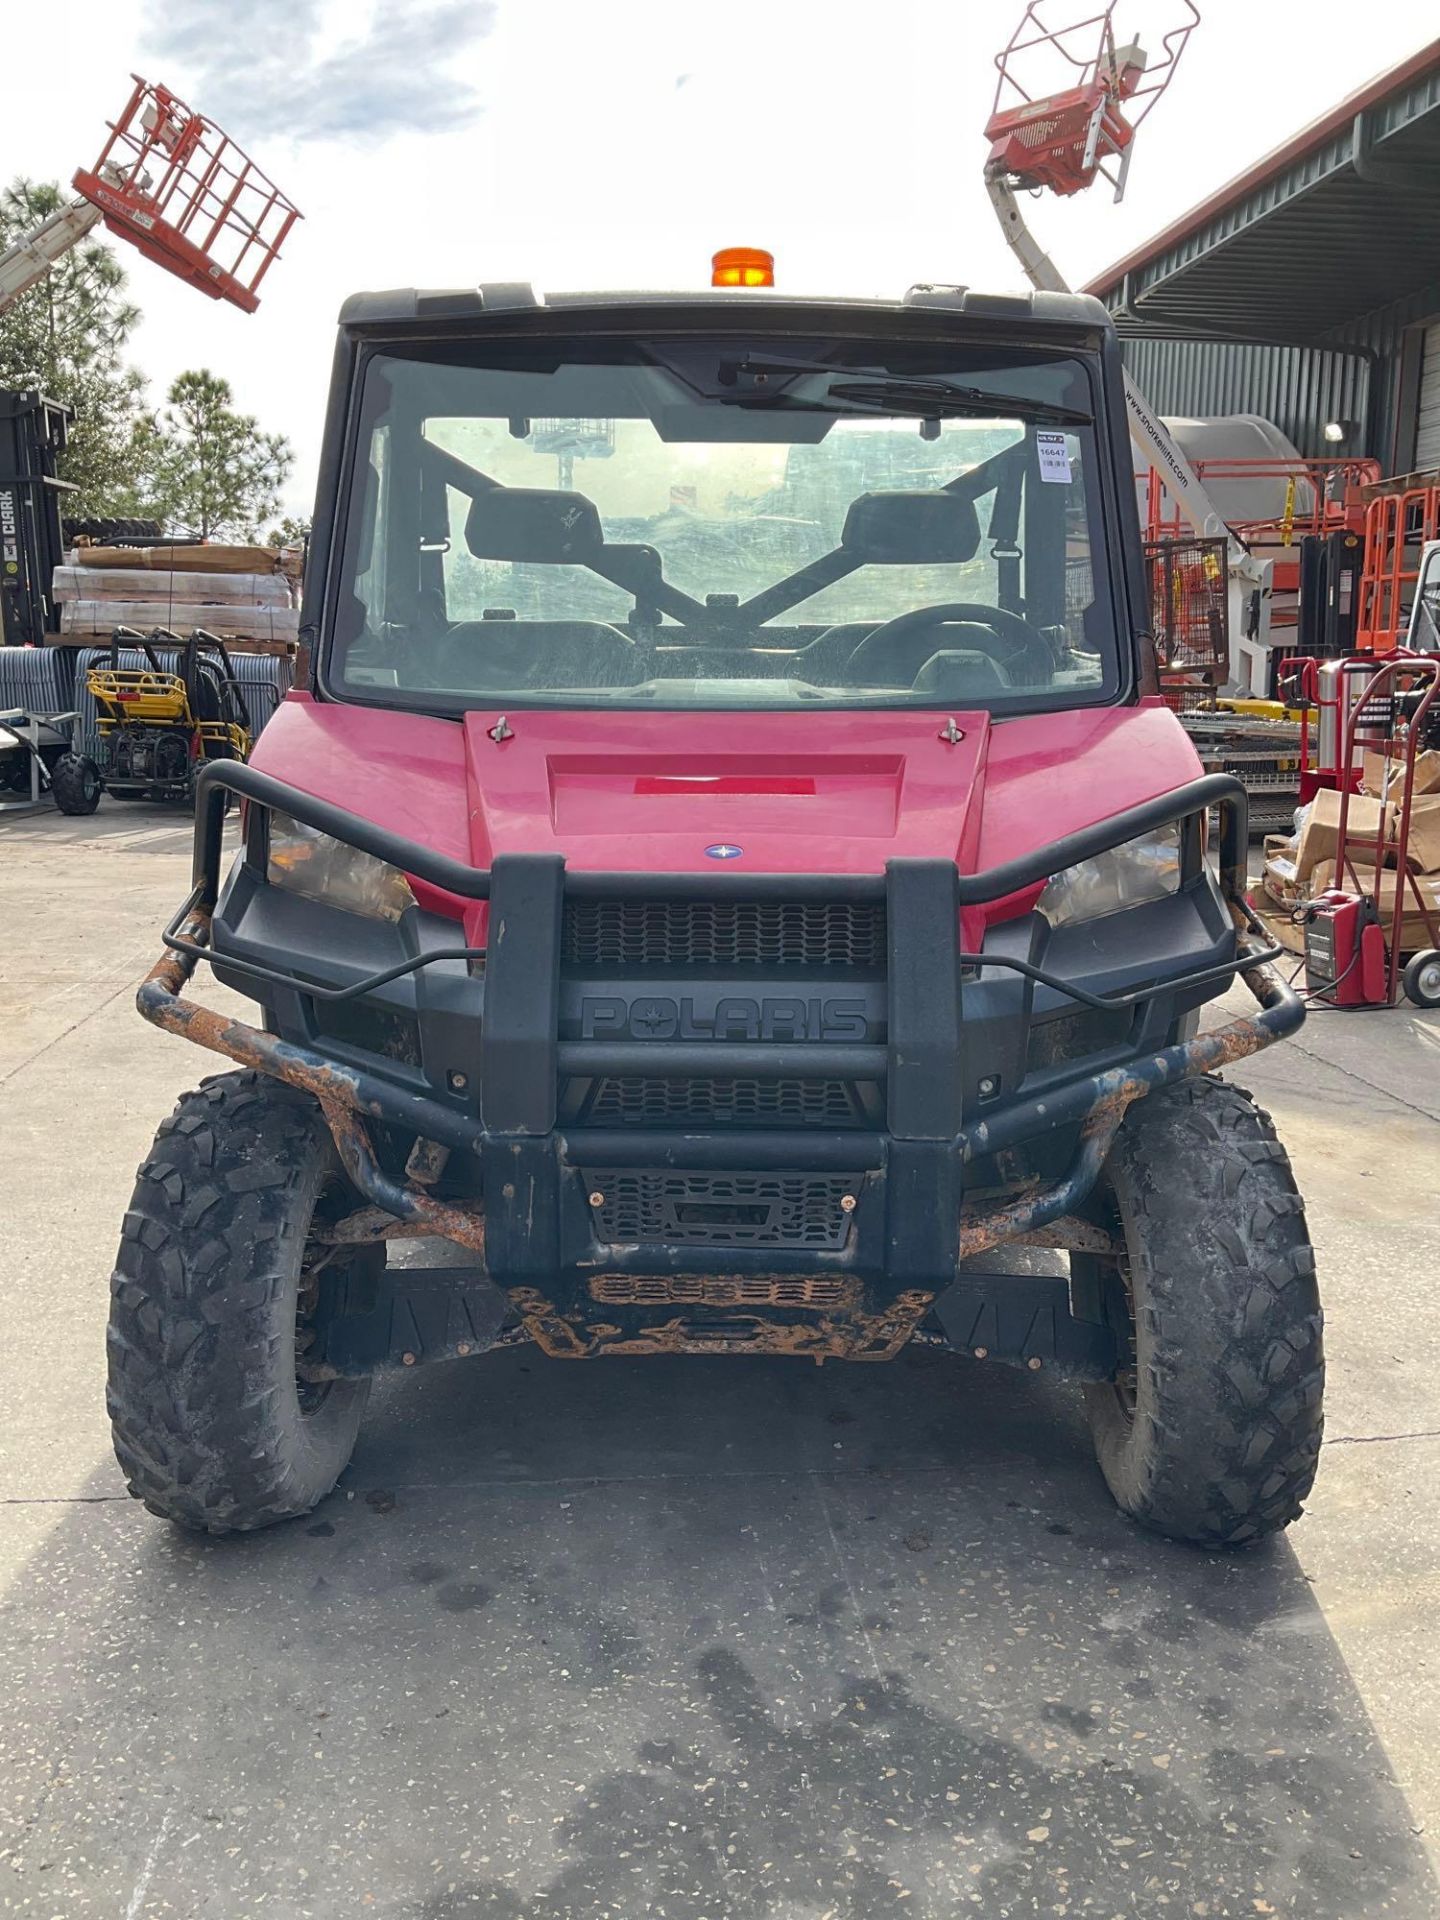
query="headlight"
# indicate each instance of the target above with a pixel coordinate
(304, 861)
(1126, 876)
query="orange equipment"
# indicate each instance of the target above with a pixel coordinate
(1398, 526)
(742, 267)
(1062, 138)
(1315, 497)
(1189, 615)
(170, 182)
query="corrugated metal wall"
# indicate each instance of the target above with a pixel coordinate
(1427, 432)
(52, 680)
(1384, 332)
(1299, 388)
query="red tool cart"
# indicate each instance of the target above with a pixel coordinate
(1375, 930)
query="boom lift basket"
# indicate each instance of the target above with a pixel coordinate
(170, 182)
(1190, 616)
(1099, 92)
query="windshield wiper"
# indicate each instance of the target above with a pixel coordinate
(932, 397)
(897, 393)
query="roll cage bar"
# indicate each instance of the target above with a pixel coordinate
(637, 569)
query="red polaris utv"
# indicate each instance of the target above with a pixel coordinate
(732, 872)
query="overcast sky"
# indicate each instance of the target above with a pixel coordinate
(605, 143)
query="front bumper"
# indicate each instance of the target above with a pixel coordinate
(595, 1239)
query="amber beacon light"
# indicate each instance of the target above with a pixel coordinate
(742, 267)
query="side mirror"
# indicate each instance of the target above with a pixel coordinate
(933, 528)
(537, 524)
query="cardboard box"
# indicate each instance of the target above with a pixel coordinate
(1423, 848)
(1320, 834)
(1280, 846)
(1359, 876)
(1373, 769)
(195, 589)
(1414, 927)
(199, 559)
(1422, 851)
(1427, 773)
(103, 616)
(1278, 878)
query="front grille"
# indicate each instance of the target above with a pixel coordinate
(650, 1205)
(724, 933)
(637, 1101)
(720, 1290)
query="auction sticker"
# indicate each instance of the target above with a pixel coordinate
(1054, 457)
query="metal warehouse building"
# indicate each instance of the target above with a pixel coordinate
(1308, 289)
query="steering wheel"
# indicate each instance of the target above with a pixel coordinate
(1022, 651)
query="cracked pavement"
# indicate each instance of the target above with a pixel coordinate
(696, 1638)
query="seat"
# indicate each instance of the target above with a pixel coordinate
(505, 656)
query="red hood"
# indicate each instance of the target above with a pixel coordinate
(832, 792)
(822, 792)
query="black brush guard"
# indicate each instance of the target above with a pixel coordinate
(916, 1227)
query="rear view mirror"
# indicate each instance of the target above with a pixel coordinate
(911, 529)
(538, 524)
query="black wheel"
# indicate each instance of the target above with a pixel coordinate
(1421, 978)
(222, 1275)
(76, 784)
(1211, 1430)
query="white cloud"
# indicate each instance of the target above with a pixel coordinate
(309, 70)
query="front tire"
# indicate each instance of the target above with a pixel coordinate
(214, 1289)
(1212, 1431)
(76, 784)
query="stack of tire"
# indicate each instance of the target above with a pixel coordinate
(110, 533)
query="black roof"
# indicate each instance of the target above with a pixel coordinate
(408, 307)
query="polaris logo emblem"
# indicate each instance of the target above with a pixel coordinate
(723, 851)
(735, 1017)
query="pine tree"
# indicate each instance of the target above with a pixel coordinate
(66, 337)
(213, 473)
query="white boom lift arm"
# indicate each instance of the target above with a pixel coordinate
(35, 253)
(1250, 579)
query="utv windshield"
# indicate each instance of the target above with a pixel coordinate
(724, 523)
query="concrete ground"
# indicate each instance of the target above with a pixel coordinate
(700, 1639)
